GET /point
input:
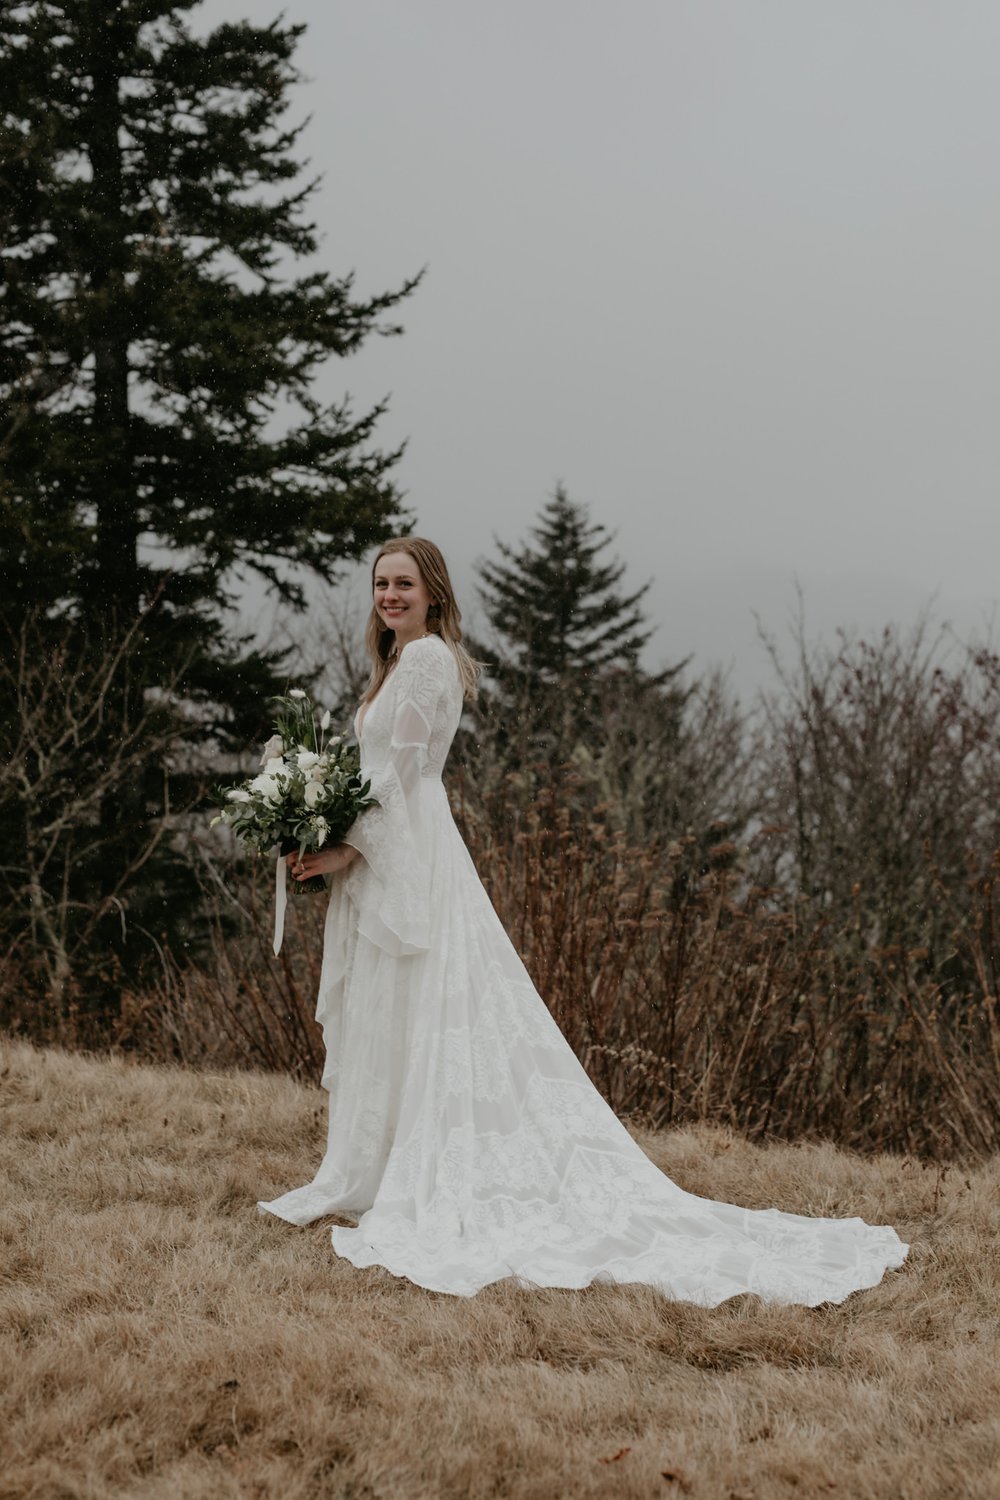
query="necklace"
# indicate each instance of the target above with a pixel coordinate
(394, 653)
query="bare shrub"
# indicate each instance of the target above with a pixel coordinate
(698, 997)
(94, 782)
(879, 780)
(656, 763)
(238, 1005)
(689, 993)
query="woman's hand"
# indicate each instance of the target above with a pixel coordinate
(324, 862)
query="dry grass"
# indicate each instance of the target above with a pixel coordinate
(162, 1339)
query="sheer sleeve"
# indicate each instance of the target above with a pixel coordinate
(393, 836)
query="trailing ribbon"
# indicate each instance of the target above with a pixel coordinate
(280, 897)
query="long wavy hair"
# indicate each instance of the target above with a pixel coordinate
(444, 618)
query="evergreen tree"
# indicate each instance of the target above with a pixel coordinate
(159, 435)
(567, 703)
(555, 607)
(564, 663)
(152, 333)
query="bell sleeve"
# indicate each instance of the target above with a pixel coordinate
(392, 893)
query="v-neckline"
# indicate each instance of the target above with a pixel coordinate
(364, 709)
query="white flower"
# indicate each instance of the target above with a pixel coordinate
(266, 787)
(335, 739)
(313, 793)
(275, 746)
(324, 722)
(322, 828)
(237, 794)
(275, 767)
(318, 773)
(306, 759)
(296, 693)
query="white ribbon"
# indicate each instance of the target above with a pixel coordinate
(279, 903)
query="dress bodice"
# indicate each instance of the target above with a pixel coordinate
(419, 705)
(405, 736)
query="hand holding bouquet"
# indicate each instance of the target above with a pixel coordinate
(307, 794)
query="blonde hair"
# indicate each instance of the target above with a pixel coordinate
(444, 618)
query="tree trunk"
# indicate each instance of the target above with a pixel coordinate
(115, 501)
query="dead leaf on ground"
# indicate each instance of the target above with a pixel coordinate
(676, 1476)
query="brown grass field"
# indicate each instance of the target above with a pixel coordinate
(162, 1339)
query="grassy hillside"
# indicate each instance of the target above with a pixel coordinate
(160, 1338)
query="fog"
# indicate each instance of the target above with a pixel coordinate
(727, 271)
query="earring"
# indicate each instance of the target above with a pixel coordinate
(434, 617)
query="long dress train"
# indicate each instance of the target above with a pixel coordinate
(464, 1135)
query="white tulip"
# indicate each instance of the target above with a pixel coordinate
(275, 746)
(307, 759)
(275, 767)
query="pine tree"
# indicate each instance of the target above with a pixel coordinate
(567, 704)
(159, 435)
(153, 332)
(555, 607)
(567, 640)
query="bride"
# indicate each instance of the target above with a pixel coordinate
(465, 1139)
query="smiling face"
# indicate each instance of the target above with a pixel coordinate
(400, 596)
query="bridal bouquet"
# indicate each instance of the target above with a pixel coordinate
(307, 794)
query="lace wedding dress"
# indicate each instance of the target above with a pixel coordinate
(464, 1136)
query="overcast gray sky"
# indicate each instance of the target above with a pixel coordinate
(726, 268)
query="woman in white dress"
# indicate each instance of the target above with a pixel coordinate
(465, 1138)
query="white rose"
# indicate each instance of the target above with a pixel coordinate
(275, 767)
(313, 793)
(275, 746)
(266, 787)
(306, 759)
(237, 794)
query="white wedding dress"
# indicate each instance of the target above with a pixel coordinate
(464, 1136)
